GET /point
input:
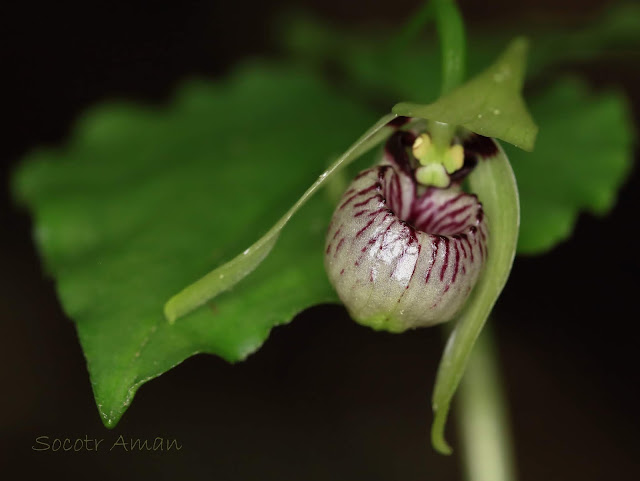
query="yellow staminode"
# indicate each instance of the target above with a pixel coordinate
(454, 158)
(421, 148)
(447, 160)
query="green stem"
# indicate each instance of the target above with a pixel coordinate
(453, 50)
(452, 37)
(452, 44)
(483, 425)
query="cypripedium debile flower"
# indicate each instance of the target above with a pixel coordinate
(404, 250)
(427, 235)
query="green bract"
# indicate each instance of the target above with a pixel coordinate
(489, 104)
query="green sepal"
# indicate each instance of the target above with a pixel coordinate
(495, 185)
(227, 275)
(489, 104)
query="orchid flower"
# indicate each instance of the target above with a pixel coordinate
(407, 246)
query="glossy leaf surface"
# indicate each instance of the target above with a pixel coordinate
(583, 154)
(142, 202)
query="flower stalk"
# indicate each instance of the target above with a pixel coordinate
(452, 44)
(483, 416)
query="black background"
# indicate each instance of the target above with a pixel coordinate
(325, 398)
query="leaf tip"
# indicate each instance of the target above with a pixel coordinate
(109, 419)
(109, 423)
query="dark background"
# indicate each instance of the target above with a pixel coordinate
(325, 398)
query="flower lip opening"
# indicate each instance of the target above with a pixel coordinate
(429, 209)
(434, 165)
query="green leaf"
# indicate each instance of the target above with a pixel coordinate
(377, 69)
(494, 183)
(143, 201)
(489, 104)
(379, 65)
(583, 154)
(612, 35)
